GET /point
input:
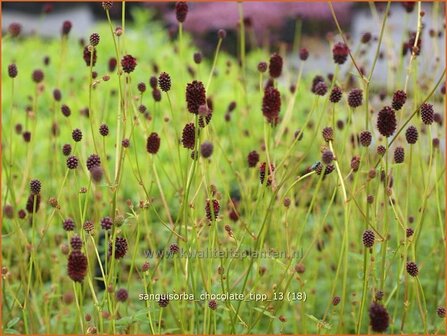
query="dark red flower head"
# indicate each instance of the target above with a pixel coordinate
(14, 29)
(66, 27)
(386, 121)
(94, 39)
(355, 98)
(275, 65)
(253, 159)
(340, 52)
(153, 143)
(87, 55)
(399, 98)
(262, 173)
(212, 208)
(164, 81)
(188, 136)
(77, 266)
(38, 76)
(128, 62)
(271, 104)
(12, 71)
(120, 247)
(93, 161)
(195, 96)
(181, 11)
(378, 317)
(304, 54)
(411, 134)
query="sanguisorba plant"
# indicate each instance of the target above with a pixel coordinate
(147, 189)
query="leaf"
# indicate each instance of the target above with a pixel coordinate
(325, 325)
(12, 331)
(265, 312)
(12, 323)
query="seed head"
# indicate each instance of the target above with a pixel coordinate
(253, 159)
(76, 135)
(355, 163)
(409, 232)
(128, 62)
(12, 71)
(163, 301)
(262, 67)
(188, 136)
(181, 11)
(365, 138)
(195, 96)
(164, 81)
(221, 34)
(153, 82)
(104, 130)
(271, 104)
(340, 52)
(88, 226)
(212, 304)
(262, 173)
(197, 57)
(122, 295)
(317, 79)
(206, 149)
(408, 6)
(141, 87)
(275, 65)
(66, 28)
(77, 266)
(14, 29)
(366, 37)
(441, 312)
(304, 54)
(38, 76)
(120, 247)
(212, 208)
(336, 300)
(368, 238)
(26, 136)
(94, 39)
(76, 242)
(106, 223)
(93, 161)
(107, 5)
(153, 143)
(399, 98)
(427, 113)
(386, 121)
(411, 134)
(65, 110)
(88, 56)
(412, 268)
(72, 162)
(378, 317)
(320, 88)
(328, 134)
(399, 155)
(30, 203)
(35, 186)
(112, 64)
(355, 98)
(335, 95)
(68, 224)
(327, 156)
(57, 95)
(156, 94)
(125, 143)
